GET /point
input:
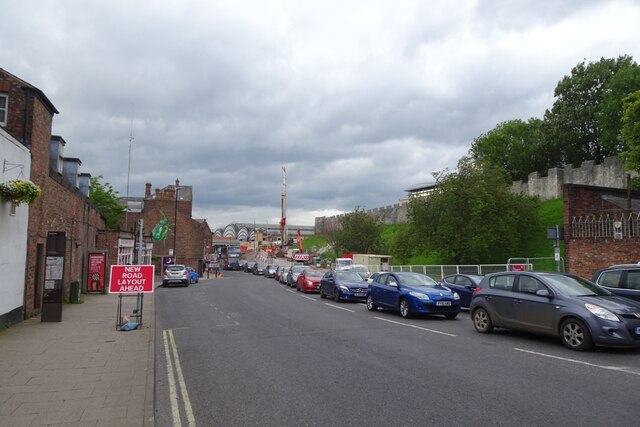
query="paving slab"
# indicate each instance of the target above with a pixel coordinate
(81, 371)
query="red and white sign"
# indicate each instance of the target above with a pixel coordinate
(301, 257)
(131, 279)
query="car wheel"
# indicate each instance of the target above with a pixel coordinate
(575, 335)
(404, 308)
(371, 306)
(186, 284)
(336, 295)
(451, 316)
(322, 295)
(482, 321)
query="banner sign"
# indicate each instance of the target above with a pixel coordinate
(131, 279)
(95, 274)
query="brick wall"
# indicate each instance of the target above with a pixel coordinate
(61, 207)
(584, 255)
(193, 236)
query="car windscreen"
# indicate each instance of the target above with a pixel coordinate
(175, 268)
(314, 273)
(575, 286)
(298, 268)
(415, 279)
(348, 276)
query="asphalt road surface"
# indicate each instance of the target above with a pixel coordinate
(247, 351)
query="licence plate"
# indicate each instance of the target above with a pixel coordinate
(360, 294)
(637, 330)
(443, 302)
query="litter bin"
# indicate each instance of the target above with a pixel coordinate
(74, 292)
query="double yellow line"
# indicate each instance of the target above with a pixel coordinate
(170, 349)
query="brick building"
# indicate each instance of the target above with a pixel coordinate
(63, 207)
(602, 227)
(173, 204)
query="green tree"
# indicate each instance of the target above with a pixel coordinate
(622, 84)
(358, 233)
(516, 146)
(106, 201)
(576, 119)
(631, 131)
(472, 217)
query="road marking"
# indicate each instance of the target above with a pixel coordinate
(416, 327)
(175, 368)
(304, 296)
(341, 308)
(173, 396)
(593, 365)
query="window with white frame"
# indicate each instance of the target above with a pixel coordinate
(4, 107)
(125, 252)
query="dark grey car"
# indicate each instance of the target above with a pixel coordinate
(294, 272)
(623, 280)
(577, 310)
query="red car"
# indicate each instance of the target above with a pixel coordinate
(309, 280)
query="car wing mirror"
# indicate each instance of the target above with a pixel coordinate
(544, 293)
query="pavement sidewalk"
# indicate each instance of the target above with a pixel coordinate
(81, 371)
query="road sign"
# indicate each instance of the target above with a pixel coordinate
(131, 279)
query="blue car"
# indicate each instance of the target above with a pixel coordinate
(464, 285)
(411, 294)
(194, 277)
(343, 285)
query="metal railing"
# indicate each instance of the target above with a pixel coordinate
(617, 226)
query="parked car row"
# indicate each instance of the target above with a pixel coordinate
(580, 312)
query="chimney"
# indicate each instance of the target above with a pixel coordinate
(70, 170)
(147, 190)
(85, 181)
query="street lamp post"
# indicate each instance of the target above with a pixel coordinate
(175, 227)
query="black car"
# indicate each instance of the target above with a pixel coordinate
(623, 280)
(248, 267)
(258, 268)
(464, 285)
(577, 310)
(343, 285)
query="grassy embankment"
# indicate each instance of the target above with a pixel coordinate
(549, 212)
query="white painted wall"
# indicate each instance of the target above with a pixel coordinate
(13, 228)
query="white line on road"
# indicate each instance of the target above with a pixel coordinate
(416, 327)
(309, 298)
(611, 368)
(341, 308)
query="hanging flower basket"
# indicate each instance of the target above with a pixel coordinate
(19, 191)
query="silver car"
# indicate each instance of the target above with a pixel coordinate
(176, 273)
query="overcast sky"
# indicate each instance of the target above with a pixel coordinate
(359, 100)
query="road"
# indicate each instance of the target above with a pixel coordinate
(248, 351)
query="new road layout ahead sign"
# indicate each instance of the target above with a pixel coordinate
(131, 279)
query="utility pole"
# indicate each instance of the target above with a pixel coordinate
(126, 211)
(283, 219)
(175, 227)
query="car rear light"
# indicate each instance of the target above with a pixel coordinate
(476, 290)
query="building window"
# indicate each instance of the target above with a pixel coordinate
(125, 252)
(12, 210)
(4, 106)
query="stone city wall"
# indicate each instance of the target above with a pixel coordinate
(609, 173)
